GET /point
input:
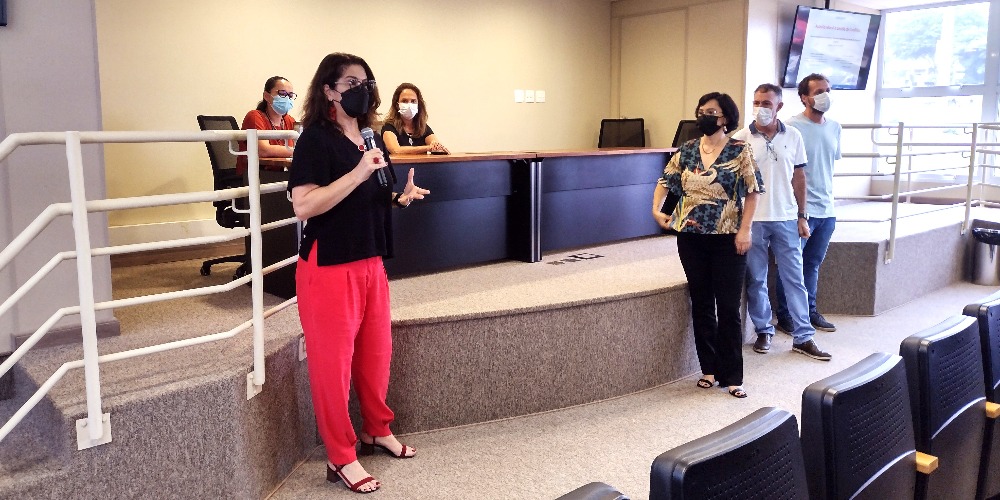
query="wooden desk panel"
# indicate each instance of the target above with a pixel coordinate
(485, 207)
(279, 243)
(598, 196)
(469, 217)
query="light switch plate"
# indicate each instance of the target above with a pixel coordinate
(539, 96)
(518, 95)
(529, 96)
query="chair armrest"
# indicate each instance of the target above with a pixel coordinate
(992, 410)
(926, 463)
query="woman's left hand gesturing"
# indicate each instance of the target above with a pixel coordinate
(412, 191)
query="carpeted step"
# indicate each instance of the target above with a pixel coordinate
(180, 413)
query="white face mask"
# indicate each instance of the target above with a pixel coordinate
(821, 102)
(763, 116)
(408, 110)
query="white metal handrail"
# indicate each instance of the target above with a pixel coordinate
(902, 148)
(79, 207)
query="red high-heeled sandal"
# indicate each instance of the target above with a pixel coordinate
(369, 449)
(334, 474)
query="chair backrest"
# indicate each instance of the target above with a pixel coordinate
(223, 168)
(594, 491)
(947, 396)
(987, 312)
(759, 456)
(686, 130)
(858, 429)
(622, 133)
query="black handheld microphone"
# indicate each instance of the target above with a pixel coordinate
(369, 137)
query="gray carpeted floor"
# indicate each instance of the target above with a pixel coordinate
(544, 456)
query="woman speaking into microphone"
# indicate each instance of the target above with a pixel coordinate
(343, 292)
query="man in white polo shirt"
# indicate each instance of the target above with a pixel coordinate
(778, 223)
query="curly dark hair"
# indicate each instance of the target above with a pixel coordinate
(804, 84)
(317, 110)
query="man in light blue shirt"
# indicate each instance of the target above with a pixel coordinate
(778, 223)
(822, 141)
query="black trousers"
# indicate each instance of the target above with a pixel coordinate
(716, 275)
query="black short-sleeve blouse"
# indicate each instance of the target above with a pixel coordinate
(358, 227)
(405, 139)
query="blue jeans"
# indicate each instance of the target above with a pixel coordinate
(782, 237)
(813, 252)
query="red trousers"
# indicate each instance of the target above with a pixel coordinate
(344, 310)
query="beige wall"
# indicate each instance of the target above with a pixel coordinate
(161, 65)
(668, 53)
(48, 82)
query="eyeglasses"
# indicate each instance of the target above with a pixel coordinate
(771, 151)
(707, 112)
(355, 83)
(285, 93)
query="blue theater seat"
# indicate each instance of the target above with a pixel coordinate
(594, 491)
(857, 432)
(759, 456)
(947, 395)
(987, 313)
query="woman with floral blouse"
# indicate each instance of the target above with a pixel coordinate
(710, 187)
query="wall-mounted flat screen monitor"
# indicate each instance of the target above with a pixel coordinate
(836, 44)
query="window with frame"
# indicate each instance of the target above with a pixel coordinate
(937, 69)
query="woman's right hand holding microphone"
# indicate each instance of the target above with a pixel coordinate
(371, 161)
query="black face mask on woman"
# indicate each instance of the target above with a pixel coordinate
(355, 101)
(708, 124)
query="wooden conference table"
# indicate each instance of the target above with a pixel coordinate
(487, 207)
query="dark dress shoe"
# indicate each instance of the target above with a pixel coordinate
(812, 350)
(785, 325)
(820, 323)
(763, 343)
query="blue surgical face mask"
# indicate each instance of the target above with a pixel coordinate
(281, 105)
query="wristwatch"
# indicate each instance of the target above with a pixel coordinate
(803, 215)
(395, 200)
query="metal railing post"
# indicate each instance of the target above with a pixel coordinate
(972, 174)
(85, 283)
(890, 251)
(257, 378)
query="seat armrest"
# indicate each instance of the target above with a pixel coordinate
(992, 410)
(926, 463)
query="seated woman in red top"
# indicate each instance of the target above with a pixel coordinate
(271, 114)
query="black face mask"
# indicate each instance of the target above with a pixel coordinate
(708, 124)
(355, 101)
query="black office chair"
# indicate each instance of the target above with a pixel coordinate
(686, 130)
(622, 133)
(757, 457)
(857, 428)
(987, 312)
(594, 491)
(224, 173)
(947, 397)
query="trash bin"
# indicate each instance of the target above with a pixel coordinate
(985, 258)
